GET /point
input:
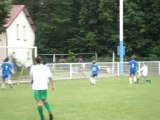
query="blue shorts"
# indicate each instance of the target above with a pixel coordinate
(94, 74)
(132, 72)
(4, 76)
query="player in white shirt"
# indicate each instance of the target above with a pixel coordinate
(143, 72)
(41, 74)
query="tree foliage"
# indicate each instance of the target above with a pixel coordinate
(4, 10)
(93, 26)
(142, 27)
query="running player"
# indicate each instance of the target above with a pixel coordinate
(133, 69)
(7, 70)
(94, 72)
(41, 74)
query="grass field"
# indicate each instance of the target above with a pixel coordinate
(109, 99)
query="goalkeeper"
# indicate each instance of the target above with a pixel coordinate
(143, 72)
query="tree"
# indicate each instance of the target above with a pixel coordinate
(98, 27)
(142, 27)
(93, 26)
(4, 12)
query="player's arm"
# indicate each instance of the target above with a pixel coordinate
(12, 70)
(50, 77)
(52, 82)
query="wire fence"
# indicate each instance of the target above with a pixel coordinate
(65, 71)
(107, 69)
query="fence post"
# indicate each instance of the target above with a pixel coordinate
(71, 70)
(118, 68)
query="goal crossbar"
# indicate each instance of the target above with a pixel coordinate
(69, 54)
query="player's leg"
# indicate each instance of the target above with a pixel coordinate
(130, 78)
(4, 79)
(38, 98)
(9, 81)
(40, 109)
(46, 104)
(94, 80)
(91, 78)
(147, 80)
(134, 77)
(139, 76)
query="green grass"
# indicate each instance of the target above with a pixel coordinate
(109, 99)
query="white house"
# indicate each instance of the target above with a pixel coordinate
(19, 36)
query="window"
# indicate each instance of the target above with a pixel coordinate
(17, 32)
(24, 33)
(28, 56)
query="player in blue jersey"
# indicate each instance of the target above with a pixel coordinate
(94, 72)
(7, 69)
(133, 69)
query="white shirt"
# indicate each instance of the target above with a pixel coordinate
(40, 74)
(144, 70)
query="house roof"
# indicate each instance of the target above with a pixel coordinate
(15, 11)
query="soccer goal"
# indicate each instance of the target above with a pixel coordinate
(24, 55)
(21, 58)
(72, 57)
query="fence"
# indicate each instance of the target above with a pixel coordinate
(107, 69)
(64, 71)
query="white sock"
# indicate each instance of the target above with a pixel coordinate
(130, 80)
(135, 79)
(91, 79)
(9, 82)
(94, 81)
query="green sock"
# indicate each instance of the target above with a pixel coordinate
(46, 104)
(40, 110)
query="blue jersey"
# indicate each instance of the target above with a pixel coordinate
(6, 68)
(95, 69)
(133, 66)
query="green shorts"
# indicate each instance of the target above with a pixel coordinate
(40, 94)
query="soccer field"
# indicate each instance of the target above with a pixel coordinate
(109, 99)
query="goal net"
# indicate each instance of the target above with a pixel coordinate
(21, 58)
(69, 58)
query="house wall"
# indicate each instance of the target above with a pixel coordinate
(21, 34)
(3, 52)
